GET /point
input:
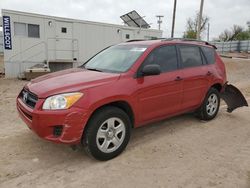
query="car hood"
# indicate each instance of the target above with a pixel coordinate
(69, 80)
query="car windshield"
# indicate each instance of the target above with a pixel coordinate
(115, 59)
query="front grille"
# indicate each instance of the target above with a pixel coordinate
(28, 98)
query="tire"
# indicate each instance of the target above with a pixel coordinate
(107, 133)
(210, 106)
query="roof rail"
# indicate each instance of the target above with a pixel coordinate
(136, 40)
(171, 39)
(194, 40)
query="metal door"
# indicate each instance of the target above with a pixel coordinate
(64, 45)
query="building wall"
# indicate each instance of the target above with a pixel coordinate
(1, 42)
(81, 41)
(25, 51)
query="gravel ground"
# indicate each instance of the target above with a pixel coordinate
(178, 152)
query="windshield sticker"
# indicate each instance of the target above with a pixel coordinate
(138, 49)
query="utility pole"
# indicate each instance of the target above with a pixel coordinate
(198, 36)
(159, 21)
(173, 20)
(208, 30)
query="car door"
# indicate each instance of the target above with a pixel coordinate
(160, 95)
(195, 76)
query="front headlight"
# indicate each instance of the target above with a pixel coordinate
(61, 101)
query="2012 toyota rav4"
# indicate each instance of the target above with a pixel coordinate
(126, 86)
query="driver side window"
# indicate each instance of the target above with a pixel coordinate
(165, 57)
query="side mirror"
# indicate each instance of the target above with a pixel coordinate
(149, 70)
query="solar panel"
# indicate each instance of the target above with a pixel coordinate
(133, 19)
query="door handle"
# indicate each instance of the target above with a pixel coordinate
(178, 78)
(209, 73)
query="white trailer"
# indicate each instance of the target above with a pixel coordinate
(30, 39)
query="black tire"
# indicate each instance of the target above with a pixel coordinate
(203, 112)
(96, 123)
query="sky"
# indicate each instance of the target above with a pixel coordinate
(223, 14)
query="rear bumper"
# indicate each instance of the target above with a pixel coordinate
(43, 122)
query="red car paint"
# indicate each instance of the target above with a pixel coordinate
(150, 98)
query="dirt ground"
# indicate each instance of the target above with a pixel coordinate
(178, 152)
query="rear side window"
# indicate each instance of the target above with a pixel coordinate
(164, 56)
(190, 56)
(209, 54)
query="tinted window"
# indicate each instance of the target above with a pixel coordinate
(33, 31)
(165, 57)
(209, 54)
(190, 55)
(204, 61)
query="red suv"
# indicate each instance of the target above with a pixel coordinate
(126, 86)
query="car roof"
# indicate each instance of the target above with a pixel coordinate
(170, 41)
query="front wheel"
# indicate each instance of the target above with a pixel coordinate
(210, 105)
(107, 134)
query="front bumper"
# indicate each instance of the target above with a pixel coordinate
(43, 122)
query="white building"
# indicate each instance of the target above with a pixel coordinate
(30, 39)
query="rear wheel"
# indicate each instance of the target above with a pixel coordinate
(210, 105)
(107, 134)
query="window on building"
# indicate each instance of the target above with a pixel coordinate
(164, 56)
(127, 36)
(26, 30)
(20, 29)
(64, 30)
(33, 31)
(190, 55)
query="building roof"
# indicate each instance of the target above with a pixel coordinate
(7, 11)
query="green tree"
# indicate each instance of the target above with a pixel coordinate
(235, 33)
(245, 35)
(192, 26)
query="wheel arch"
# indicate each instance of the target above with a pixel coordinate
(126, 107)
(217, 86)
(122, 104)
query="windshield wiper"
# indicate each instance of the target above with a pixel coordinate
(94, 69)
